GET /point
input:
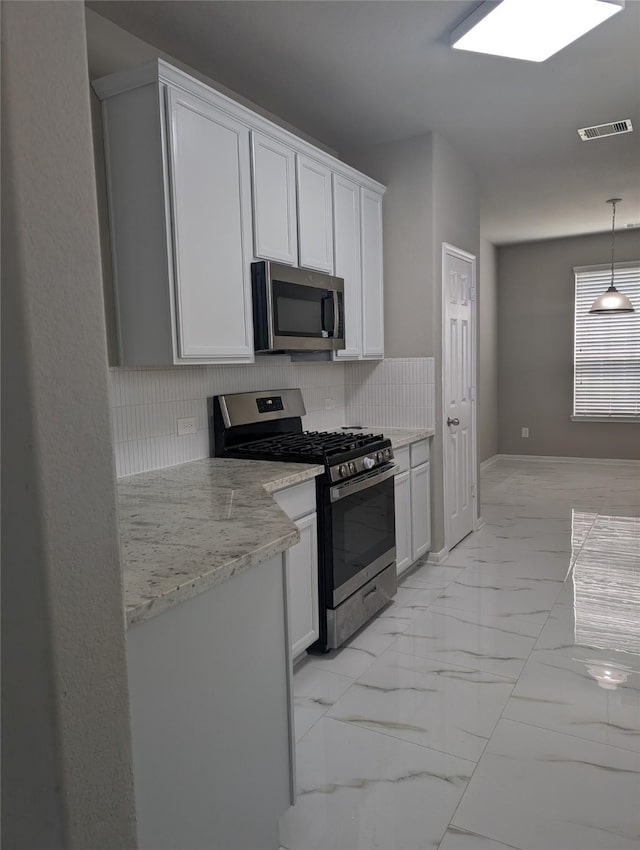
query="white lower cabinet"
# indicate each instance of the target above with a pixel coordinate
(403, 521)
(413, 504)
(301, 564)
(209, 689)
(420, 511)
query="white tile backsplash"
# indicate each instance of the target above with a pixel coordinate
(397, 392)
(146, 403)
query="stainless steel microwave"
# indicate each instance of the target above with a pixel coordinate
(295, 309)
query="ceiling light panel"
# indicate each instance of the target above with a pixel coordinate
(530, 29)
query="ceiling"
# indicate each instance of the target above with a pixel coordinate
(355, 73)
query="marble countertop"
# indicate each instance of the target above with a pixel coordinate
(187, 528)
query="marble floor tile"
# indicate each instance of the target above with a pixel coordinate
(514, 563)
(430, 576)
(589, 699)
(528, 636)
(356, 655)
(358, 790)
(448, 708)
(471, 639)
(494, 594)
(410, 602)
(536, 789)
(314, 692)
(461, 839)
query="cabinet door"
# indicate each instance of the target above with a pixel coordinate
(302, 579)
(315, 231)
(403, 521)
(420, 511)
(273, 187)
(211, 207)
(372, 276)
(346, 251)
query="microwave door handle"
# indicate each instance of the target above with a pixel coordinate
(336, 313)
(326, 302)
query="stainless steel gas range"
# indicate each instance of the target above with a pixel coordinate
(355, 500)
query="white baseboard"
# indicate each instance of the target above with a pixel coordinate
(489, 462)
(478, 524)
(556, 459)
(438, 557)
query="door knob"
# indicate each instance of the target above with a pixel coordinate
(451, 421)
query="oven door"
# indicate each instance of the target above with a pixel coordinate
(363, 531)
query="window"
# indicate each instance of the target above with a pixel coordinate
(606, 384)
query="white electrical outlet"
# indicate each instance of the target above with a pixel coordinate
(329, 403)
(525, 432)
(186, 426)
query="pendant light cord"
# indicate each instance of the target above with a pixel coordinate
(613, 230)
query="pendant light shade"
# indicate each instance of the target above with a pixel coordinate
(612, 301)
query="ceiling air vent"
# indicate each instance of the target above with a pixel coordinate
(601, 130)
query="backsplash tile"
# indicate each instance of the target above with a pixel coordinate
(397, 392)
(146, 403)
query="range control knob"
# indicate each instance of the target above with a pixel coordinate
(387, 453)
(352, 467)
(379, 456)
(342, 470)
(368, 462)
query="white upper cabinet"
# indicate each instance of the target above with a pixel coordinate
(346, 246)
(274, 200)
(210, 193)
(357, 223)
(179, 186)
(372, 275)
(315, 227)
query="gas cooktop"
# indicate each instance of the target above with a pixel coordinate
(312, 446)
(268, 426)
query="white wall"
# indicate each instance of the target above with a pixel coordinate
(456, 220)
(67, 779)
(488, 361)
(536, 327)
(432, 197)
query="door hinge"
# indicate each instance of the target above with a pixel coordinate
(473, 491)
(472, 293)
(472, 393)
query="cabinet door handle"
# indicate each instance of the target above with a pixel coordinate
(369, 592)
(451, 421)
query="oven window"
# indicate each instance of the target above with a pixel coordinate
(363, 527)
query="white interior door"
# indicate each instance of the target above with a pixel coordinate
(458, 392)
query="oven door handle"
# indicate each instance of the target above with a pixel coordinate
(362, 482)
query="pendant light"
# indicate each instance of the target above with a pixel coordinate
(612, 301)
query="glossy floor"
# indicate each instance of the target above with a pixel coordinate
(496, 703)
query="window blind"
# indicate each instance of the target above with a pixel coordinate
(606, 347)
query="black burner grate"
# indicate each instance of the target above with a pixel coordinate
(311, 445)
